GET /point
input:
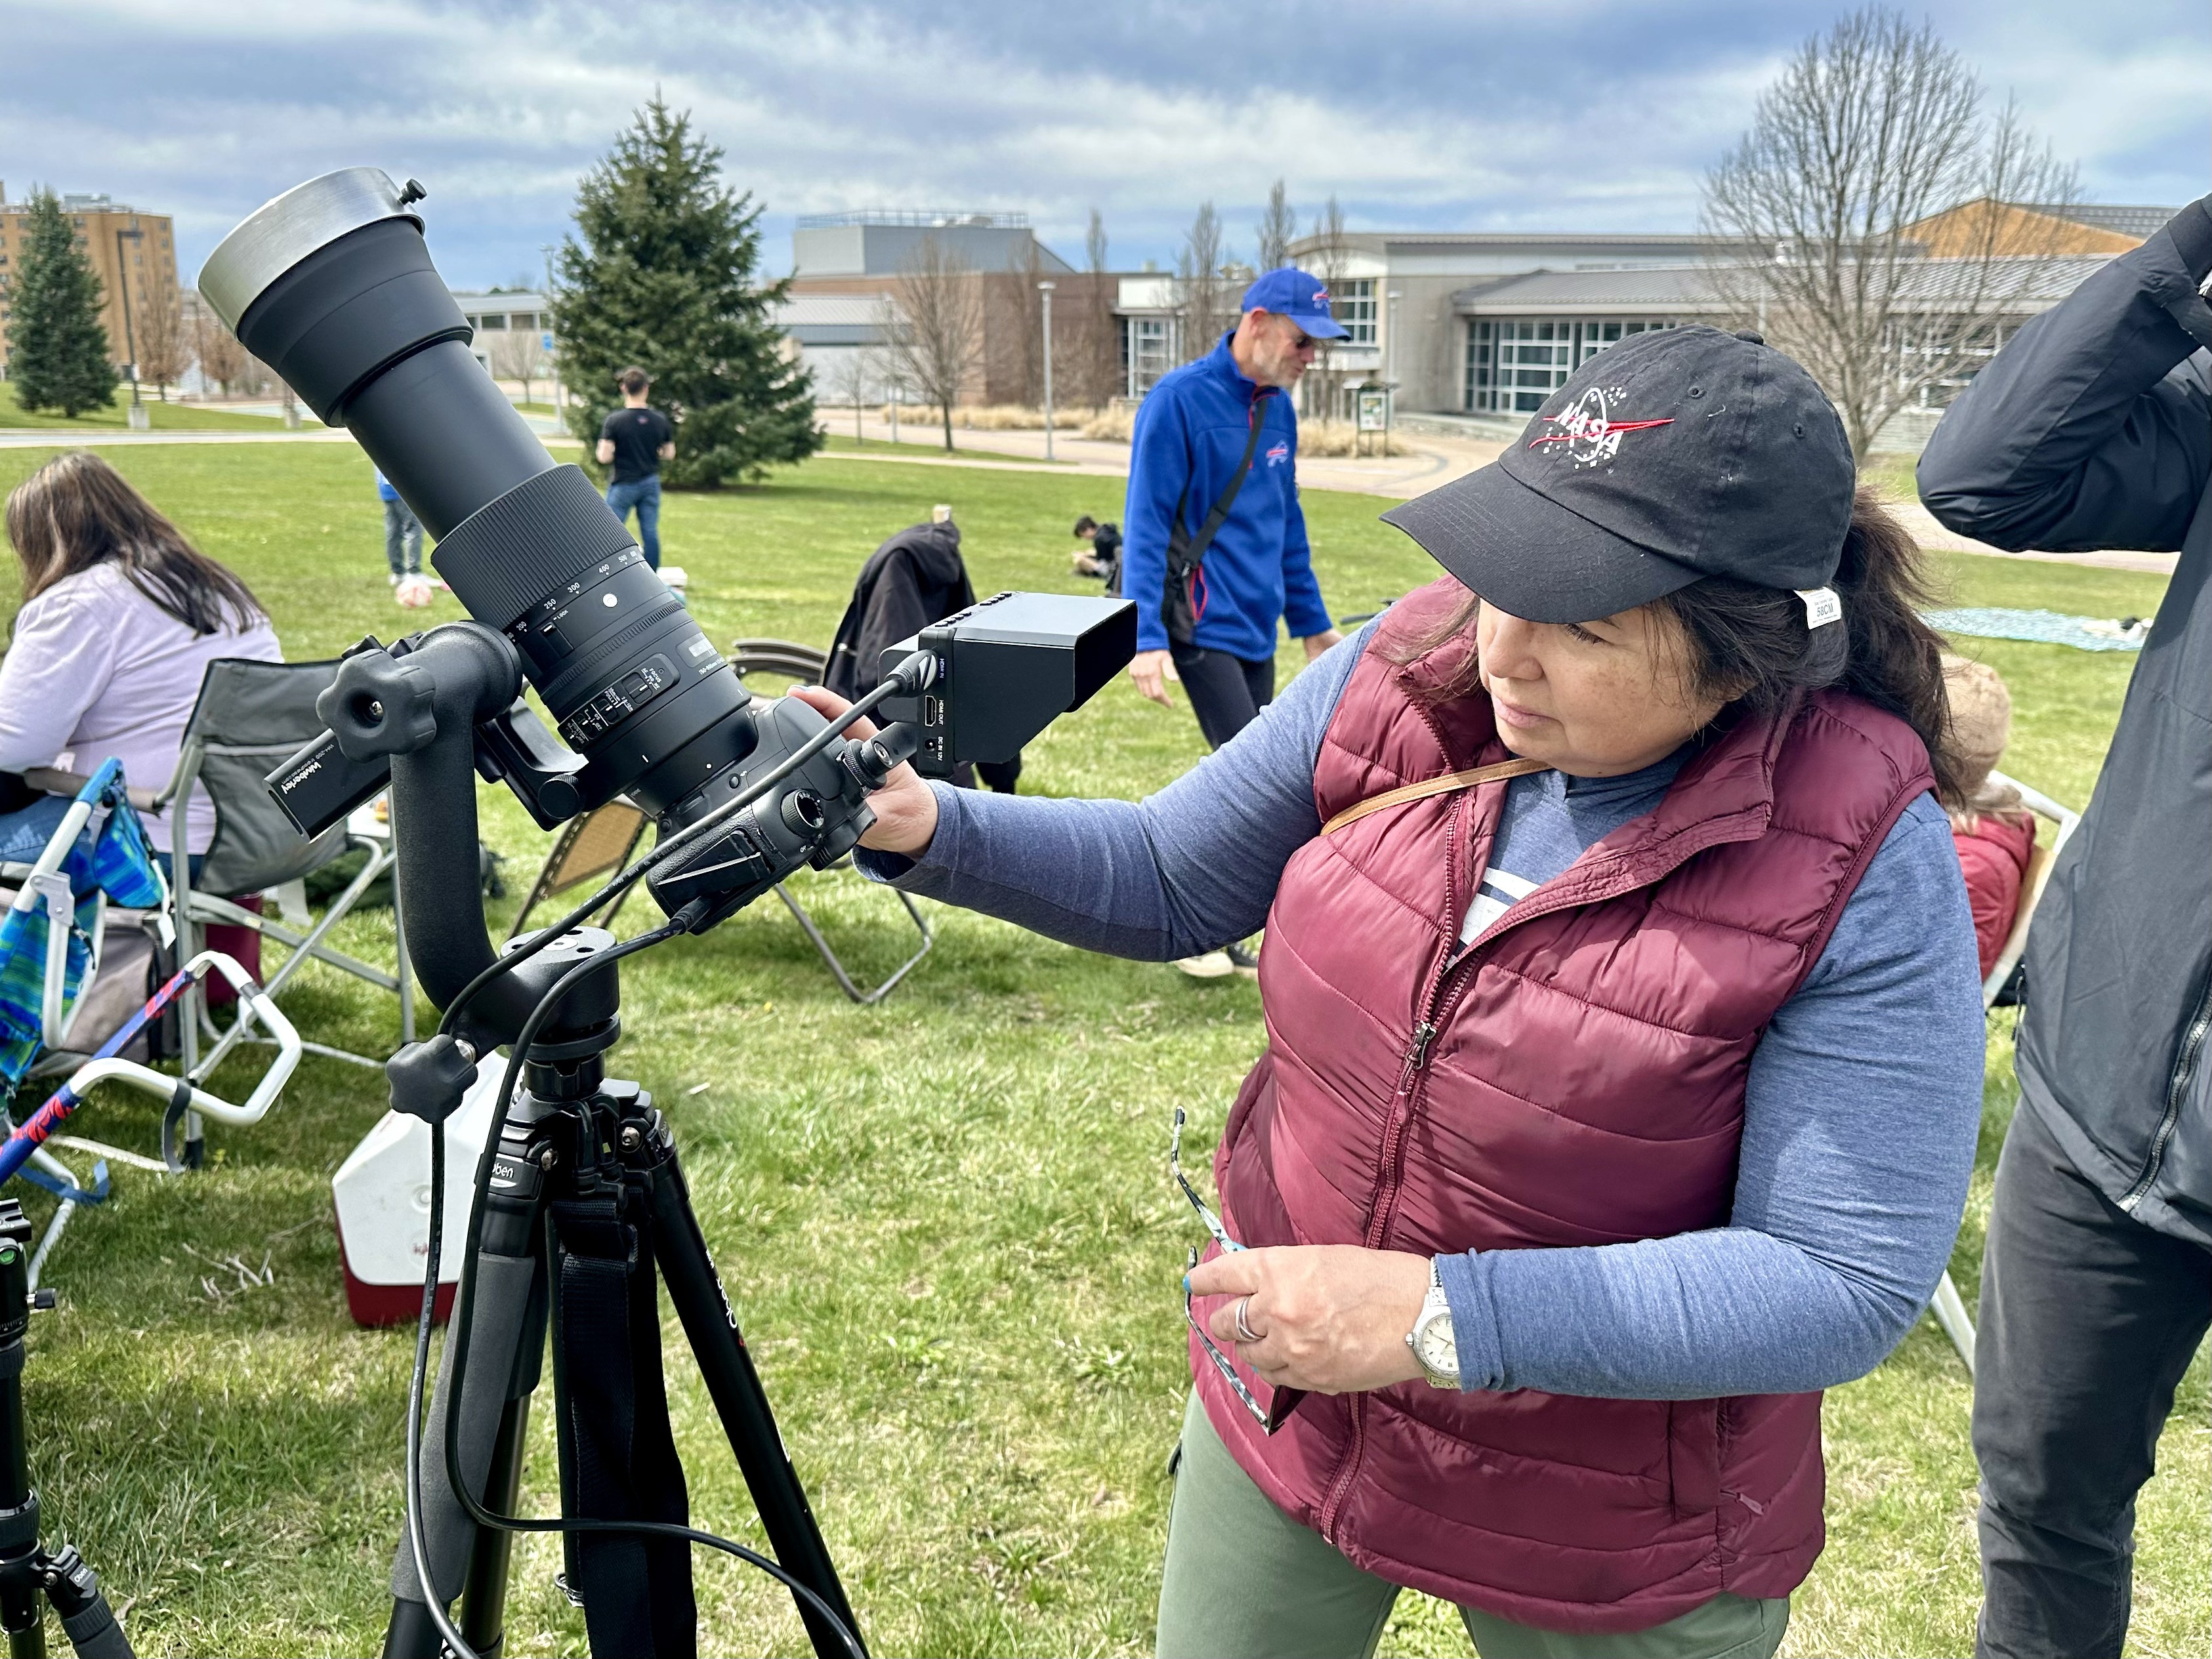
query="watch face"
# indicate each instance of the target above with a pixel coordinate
(1434, 1344)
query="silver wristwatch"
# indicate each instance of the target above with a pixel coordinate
(1430, 1338)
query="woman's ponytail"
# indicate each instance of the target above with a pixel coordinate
(1750, 645)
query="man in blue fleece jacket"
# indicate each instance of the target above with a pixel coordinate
(1193, 428)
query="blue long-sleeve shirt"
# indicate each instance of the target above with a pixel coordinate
(1860, 1111)
(1190, 433)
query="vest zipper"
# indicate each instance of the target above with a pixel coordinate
(2185, 1071)
(1389, 1171)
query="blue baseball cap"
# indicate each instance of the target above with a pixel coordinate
(1299, 295)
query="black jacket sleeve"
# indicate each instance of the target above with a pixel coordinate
(2092, 427)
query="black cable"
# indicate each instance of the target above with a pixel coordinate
(457, 1347)
(622, 882)
(457, 1354)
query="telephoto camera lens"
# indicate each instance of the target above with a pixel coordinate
(331, 285)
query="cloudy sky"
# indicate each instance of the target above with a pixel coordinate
(1482, 115)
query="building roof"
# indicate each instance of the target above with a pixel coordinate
(2138, 221)
(1669, 288)
(833, 319)
(915, 218)
(1687, 290)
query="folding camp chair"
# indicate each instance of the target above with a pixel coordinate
(52, 933)
(50, 954)
(1997, 989)
(596, 842)
(249, 716)
(803, 665)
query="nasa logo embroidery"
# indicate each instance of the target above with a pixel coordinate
(1586, 428)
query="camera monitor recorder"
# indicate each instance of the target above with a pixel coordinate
(332, 285)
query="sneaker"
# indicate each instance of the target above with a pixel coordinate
(392, 579)
(1244, 959)
(1213, 965)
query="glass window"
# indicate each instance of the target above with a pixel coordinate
(1150, 351)
(1352, 302)
(1514, 364)
(494, 321)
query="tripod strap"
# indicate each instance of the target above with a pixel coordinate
(618, 1454)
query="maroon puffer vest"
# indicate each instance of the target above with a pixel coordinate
(1583, 1085)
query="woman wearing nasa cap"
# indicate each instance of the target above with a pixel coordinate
(1623, 1043)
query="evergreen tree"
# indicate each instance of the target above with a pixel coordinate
(57, 350)
(662, 273)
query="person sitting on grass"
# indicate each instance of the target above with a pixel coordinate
(1102, 556)
(120, 617)
(1624, 1049)
(1994, 833)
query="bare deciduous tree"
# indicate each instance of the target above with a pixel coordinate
(1098, 365)
(221, 358)
(1202, 302)
(516, 354)
(935, 326)
(1278, 229)
(851, 377)
(1871, 131)
(164, 349)
(1332, 258)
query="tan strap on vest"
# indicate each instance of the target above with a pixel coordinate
(1428, 786)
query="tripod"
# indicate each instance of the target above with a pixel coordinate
(26, 1570)
(586, 1200)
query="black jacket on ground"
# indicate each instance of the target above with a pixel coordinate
(915, 578)
(2092, 428)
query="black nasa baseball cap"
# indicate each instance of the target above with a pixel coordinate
(1678, 454)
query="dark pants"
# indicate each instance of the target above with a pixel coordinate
(1226, 692)
(2088, 1319)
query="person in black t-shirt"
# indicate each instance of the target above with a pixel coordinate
(634, 440)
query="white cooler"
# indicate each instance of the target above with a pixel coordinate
(383, 1196)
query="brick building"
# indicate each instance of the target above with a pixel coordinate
(134, 253)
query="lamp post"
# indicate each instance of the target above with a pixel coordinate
(545, 326)
(1044, 293)
(1390, 367)
(138, 416)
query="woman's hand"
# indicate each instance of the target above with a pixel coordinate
(1330, 1318)
(906, 810)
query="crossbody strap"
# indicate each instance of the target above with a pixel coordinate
(1219, 514)
(1428, 786)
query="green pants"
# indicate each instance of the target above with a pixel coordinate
(1244, 1581)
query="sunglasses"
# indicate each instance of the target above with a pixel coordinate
(1284, 1400)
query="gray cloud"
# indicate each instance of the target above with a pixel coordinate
(1575, 115)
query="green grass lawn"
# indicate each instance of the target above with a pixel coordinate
(164, 416)
(945, 1221)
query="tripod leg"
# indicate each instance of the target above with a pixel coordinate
(483, 1592)
(506, 1325)
(697, 1290)
(87, 1619)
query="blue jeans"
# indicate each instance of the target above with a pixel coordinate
(644, 494)
(403, 539)
(24, 834)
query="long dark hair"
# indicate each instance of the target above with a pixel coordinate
(1749, 647)
(76, 511)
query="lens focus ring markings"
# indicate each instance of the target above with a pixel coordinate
(618, 702)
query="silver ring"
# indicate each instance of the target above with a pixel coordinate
(1245, 1332)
